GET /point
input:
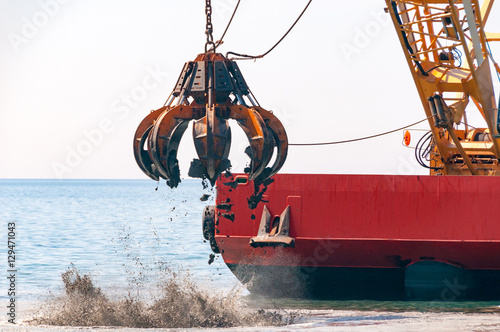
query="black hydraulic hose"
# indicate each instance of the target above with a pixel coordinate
(424, 144)
(407, 43)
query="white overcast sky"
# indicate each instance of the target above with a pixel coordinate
(68, 69)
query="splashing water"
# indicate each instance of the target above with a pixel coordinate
(138, 289)
(180, 303)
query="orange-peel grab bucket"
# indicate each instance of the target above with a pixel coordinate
(210, 90)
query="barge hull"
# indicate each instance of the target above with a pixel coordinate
(366, 236)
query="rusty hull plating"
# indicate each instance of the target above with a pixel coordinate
(210, 90)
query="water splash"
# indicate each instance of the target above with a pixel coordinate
(180, 303)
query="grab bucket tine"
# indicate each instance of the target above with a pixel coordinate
(212, 140)
(142, 156)
(164, 141)
(256, 131)
(278, 132)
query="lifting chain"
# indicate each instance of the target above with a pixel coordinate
(210, 91)
(209, 27)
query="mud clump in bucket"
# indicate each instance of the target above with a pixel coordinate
(178, 303)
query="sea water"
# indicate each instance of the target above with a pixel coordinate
(124, 235)
(107, 228)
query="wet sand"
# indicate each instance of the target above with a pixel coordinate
(325, 320)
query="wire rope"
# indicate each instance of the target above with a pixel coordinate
(248, 57)
(360, 138)
(220, 41)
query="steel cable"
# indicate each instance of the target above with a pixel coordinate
(220, 41)
(248, 57)
(360, 138)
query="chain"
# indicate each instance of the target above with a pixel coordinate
(209, 27)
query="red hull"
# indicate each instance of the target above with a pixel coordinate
(346, 225)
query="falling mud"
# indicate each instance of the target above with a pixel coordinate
(205, 197)
(229, 216)
(256, 197)
(178, 303)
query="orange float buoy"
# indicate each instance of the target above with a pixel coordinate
(406, 138)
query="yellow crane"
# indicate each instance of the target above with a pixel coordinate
(446, 47)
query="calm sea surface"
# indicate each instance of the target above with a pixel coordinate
(110, 229)
(121, 231)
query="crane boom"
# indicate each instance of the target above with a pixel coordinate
(436, 36)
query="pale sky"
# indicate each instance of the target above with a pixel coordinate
(77, 77)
